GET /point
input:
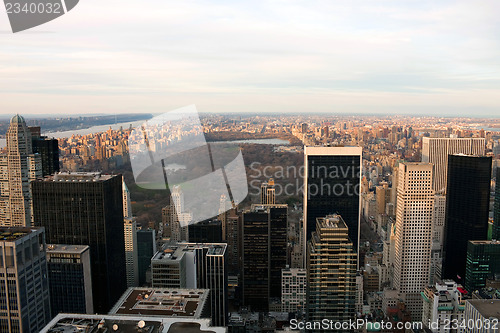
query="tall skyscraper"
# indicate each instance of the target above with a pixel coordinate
(70, 280)
(436, 151)
(146, 248)
(127, 205)
(208, 231)
(20, 167)
(332, 186)
(496, 214)
(177, 218)
(233, 240)
(48, 149)
(131, 256)
(194, 266)
(24, 286)
(268, 193)
(414, 219)
(467, 210)
(331, 272)
(264, 237)
(87, 209)
(483, 262)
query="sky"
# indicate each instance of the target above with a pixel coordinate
(372, 56)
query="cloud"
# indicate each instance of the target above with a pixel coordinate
(262, 56)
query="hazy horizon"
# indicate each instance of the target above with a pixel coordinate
(390, 57)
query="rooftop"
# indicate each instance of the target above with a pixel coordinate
(162, 302)
(78, 177)
(332, 221)
(64, 248)
(76, 323)
(175, 251)
(488, 308)
(14, 233)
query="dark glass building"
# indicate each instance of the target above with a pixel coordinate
(208, 231)
(48, 149)
(331, 186)
(496, 214)
(483, 262)
(69, 279)
(87, 209)
(467, 209)
(146, 248)
(264, 237)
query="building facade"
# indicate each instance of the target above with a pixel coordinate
(293, 289)
(24, 286)
(437, 150)
(414, 219)
(70, 279)
(131, 255)
(467, 210)
(483, 262)
(87, 209)
(332, 186)
(331, 272)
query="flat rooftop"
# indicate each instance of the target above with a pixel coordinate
(163, 302)
(14, 233)
(175, 251)
(78, 177)
(68, 249)
(78, 323)
(489, 308)
(332, 221)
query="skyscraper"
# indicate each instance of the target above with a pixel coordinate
(146, 248)
(177, 219)
(496, 216)
(436, 151)
(70, 280)
(193, 266)
(24, 287)
(264, 237)
(87, 209)
(208, 231)
(467, 209)
(48, 149)
(332, 186)
(131, 257)
(21, 166)
(331, 272)
(483, 262)
(414, 219)
(127, 205)
(268, 193)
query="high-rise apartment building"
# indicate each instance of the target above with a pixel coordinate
(177, 218)
(331, 272)
(87, 209)
(483, 262)
(19, 167)
(332, 186)
(127, 205)
(264, 241)
(467, 210)
(436, 151)
(70, 279)
(131, 256)
(293, 289)
(194, 266)
(268, 193)
(24, 286)
(414, 218)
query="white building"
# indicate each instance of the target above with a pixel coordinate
(483, 311)
(414, 217)
(443, 303)
(18, 167)
(131, 256)
(293, 289)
